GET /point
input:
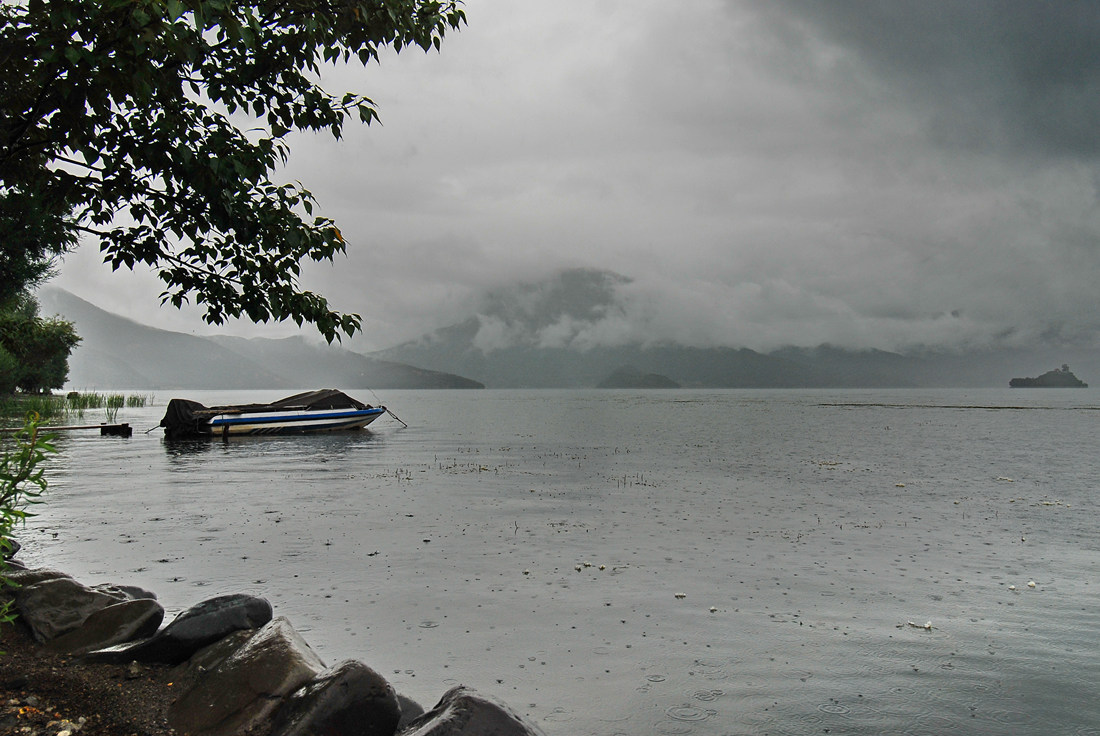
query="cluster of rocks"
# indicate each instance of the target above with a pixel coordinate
(239, 669)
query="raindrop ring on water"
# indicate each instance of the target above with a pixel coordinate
(689, 713)
(835, 709)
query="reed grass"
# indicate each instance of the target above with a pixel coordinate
(112, 405)
(14, 408)
(79, 402)
(138, 401)
(74, 404)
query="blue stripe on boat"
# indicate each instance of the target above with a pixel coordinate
(294, 418)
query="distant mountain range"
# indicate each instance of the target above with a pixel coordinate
(116, 352)
(528, 336)
(120, 353)
(819, 367)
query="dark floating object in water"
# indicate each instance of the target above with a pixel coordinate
(105, 430)
(1062, 378)
(325, 410)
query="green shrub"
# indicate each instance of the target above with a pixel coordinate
(22, 482)
(10, 371)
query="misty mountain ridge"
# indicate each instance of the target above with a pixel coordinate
(563, 332)
(571, 331)
(116, 352)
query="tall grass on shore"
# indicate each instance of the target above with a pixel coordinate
(74, 404)
(113, 404)
(14, 408)
(78, 402)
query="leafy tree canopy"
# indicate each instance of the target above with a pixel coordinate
(155, 127)
(34, 352)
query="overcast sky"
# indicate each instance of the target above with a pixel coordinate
(764, 173)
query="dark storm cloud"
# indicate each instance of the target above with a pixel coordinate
(761, 173)
(1002, 76)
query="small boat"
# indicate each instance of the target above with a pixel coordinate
(325, 410)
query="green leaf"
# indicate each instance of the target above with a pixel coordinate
(163, 111)
(175, 10)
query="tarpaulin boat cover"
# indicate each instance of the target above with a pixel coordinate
(185, 418)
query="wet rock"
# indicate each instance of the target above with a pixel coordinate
(129, 591)
(58, 605)
(10, 548)
(410, 710)
(185, 675)
(115, 624)
(349, 699)
(463, 712)
(195, 628)
(244, 690)
(24, 577)
(136, 671)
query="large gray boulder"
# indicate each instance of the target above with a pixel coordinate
(410, 710)
(197, 627)
(243, 691)
(463, 712)
(349, 699)
(115, 624)
(24, 576)
(55, 606)
(185, 675)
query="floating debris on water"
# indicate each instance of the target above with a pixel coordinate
(927, 626)
(681, 596)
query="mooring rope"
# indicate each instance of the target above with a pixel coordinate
(396, 417)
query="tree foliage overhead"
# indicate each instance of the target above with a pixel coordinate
(155, 127)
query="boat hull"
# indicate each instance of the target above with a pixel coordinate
(296, 422)
(321, 410)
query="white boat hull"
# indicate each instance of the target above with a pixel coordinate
(321, 410)
(292, 422)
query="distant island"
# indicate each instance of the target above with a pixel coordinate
(628, 377)
(1058, 378)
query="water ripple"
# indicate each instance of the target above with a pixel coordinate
(689, 712)
(834, 709)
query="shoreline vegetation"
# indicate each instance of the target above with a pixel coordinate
(73, 405)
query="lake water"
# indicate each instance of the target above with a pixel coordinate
(663, 562)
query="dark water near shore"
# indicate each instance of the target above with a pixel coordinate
(680, 562)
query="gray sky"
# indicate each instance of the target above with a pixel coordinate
(764, 173)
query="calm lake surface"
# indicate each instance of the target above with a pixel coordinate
(662, 562)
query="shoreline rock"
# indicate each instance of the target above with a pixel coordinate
(238, 668)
